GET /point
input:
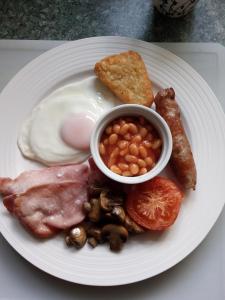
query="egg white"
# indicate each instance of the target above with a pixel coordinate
(39, 138)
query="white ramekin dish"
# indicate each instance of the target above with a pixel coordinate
(132, 110)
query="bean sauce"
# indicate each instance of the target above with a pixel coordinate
(130, 146)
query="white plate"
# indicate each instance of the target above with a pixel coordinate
(149, 254)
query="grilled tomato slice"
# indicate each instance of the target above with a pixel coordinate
(154, 204)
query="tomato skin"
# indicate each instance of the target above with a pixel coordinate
(154, 204)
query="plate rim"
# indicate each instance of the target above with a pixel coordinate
(122, 39)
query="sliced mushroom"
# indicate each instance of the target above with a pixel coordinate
(94, 190)
(132, 226)
(68, 241)
(95, 212)
(96, 233)
(118, 213)
(92, 242)
(108, 200)
(116, 235)
(77, 237)
(105, 201)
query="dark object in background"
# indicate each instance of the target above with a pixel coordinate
(174, 8)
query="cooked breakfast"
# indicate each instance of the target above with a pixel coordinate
(130, 146)
(182, 159)
(79, 199)
(125, 74)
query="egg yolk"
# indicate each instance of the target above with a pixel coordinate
(76, 130)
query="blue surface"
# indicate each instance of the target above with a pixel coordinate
(75, 19)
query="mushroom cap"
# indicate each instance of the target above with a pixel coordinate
(78, 236)
(110, 230)
(132, 226)
(109, 200)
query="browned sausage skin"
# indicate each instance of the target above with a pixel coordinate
(182, 160)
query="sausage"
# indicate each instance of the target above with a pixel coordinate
(182, 160)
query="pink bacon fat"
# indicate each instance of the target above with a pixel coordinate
(10, 188)
(45, 209)
(47, 200)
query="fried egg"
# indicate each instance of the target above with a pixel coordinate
(58, 129)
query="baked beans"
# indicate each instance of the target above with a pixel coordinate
(130, 146)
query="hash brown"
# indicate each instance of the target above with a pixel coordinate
(126, 76)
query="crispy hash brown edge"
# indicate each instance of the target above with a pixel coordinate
(126, 93)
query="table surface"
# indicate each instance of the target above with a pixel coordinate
(200, 276)
(75, 19)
